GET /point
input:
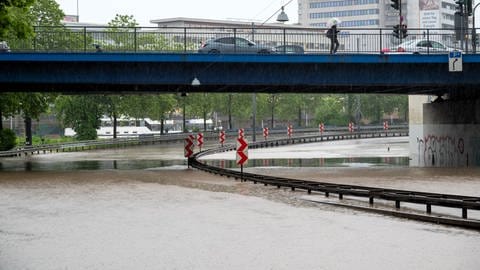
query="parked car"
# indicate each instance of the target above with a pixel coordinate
(296, 49)
(233, 45)
(4, 46)
(420, 46)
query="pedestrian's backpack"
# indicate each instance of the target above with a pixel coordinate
(329, 33)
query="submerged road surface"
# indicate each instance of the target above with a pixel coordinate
(177, 218)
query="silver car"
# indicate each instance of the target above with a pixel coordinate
(234, 45)
(420, 46)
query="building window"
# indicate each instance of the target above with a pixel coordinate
(344, 13)
(342, 3)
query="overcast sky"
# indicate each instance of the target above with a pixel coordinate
(98, 11)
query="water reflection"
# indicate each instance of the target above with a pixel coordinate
(318, 162)
(23, 165)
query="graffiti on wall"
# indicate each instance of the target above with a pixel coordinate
(442, 151)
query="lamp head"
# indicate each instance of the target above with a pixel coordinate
(282, 17)
(195, 82)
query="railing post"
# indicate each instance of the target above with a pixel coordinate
(35, 39)
(381, 40)
(185, 39)
(84, 39)
(135, 39)
(234, 40)
(428, 40)
(284, 39)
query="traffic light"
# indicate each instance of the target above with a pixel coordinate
(469, 4)
(395, 4)
(396, 31)
(400, 31)
(459, 6)
(404, 31)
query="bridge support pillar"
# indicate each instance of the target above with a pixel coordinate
(444, 132)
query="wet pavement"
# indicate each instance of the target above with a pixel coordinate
(171, 217)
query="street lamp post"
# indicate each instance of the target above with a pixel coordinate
(282, 17)
(474, 31)
(78, 15)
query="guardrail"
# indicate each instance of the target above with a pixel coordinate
(89, 145)
(464, 203)
(156, 138)
(189, 39)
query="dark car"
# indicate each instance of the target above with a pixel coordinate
(4, 46)
(234, 45)
(297, 49)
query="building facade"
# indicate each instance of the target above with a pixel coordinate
(377, 13)
(432, 19)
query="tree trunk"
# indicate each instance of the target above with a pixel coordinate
(299, 117)
(204, 121)
(161, 125)
(273, 110)
(114, 125)
(230, 126)
(1, 120)
(184, 120)
(28, 130)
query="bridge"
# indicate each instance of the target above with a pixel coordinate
(166, 59)
(174, 72)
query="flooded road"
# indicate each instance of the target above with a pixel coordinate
(171, 217)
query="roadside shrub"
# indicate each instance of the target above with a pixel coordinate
(86, 133)
(7, 139)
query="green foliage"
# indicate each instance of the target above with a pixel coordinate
(12, 19)
(38, 140)
(160, 106)
(126, 36)
(8, 104)
(202, 107)
(82, 113)
(329, 110)
(86, 132)
(123, 21)
(34, 104)
(46, 13)
(375, 106)
(136, 106)
(7, 139)
(50, 33)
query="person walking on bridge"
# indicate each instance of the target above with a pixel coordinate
(332, 34)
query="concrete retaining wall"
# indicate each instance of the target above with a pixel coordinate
(449, 135)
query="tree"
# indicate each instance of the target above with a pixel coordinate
(123, 21)
(82, 113)
(136, 106)
(32, 105)
(50, 33)
(8, 106)
(202, 107)
(329, 110)
(372, 107)
(46, 13)
(122, 32)
(12, 23)
(113, 107)
(160, 106)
